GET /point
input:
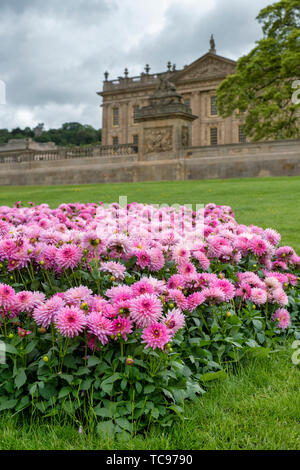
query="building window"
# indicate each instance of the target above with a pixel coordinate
(187, 102)
(115, 141)
(213, 106)
(213, 136)
(242, 135)
(135, 139)
(135, 111)
(115, 116)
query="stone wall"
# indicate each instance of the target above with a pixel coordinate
(281, 158)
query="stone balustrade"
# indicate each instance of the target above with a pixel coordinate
(18, 156)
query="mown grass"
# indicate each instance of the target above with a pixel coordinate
(258, 405)
(267, 202)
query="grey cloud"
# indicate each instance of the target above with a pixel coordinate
(185, 37)
(53, 53)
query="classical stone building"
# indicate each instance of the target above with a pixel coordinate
(196, 83)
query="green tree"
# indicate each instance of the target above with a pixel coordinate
(262, 86)
(70, 133)
(4, 136)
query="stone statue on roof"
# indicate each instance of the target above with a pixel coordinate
(212, 44)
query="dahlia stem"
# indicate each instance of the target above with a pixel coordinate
(67, 277)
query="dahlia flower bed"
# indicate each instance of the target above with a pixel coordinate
(117, 315)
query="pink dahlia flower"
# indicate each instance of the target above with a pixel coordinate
(280, 297)
(272, 283)
(202, 259)
(77, 295)
(25, 301)
(116, 269)
(123, 326)
(69, 256)
(258, 296)
(70, 321)
(257, 246)
(174, 321)
(226, 287)
(143, 259)
(142, 287)
(177, 296)
(181, 255)
(155, 336)
(7, 296)
(119, 293)
(272, 236)
(214, 294)
(187, 270)
(282, 316)
(22, 333)
(175, 281)
(243, 291)
(145, 309)
(100, 326)
(194, 300)
(157, 260)
(284, 253)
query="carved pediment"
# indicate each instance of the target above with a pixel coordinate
(206, 67)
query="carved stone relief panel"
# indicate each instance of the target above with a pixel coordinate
(158, 139)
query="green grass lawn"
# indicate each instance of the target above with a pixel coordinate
(267, 202)
(258, 405)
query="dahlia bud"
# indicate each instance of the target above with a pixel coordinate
(112, 278)
(129, 361)
(228, 314)
(42, 330)
(45, 358)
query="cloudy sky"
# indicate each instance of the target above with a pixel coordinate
(53, 53)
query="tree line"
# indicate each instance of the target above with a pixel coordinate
(70, 133)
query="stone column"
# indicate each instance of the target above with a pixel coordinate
(126, 122)
(203, 118)
(196, 109)
(104, 124)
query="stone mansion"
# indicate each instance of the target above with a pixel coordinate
(196, 83)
